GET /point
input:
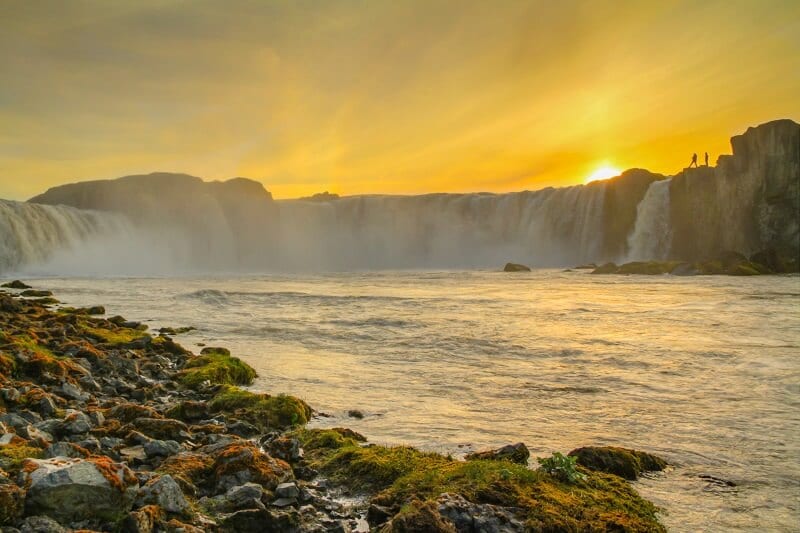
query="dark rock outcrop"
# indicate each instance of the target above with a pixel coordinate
(628, 464)
(516, 267)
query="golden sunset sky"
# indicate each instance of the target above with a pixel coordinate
(378, 96)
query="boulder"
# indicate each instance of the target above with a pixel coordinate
(165, 492)
(516, 267)
(78, 489)
(622, 462)
(16, 284)
(241, 462)
(421, 516)
(516, 453)
(608, 268)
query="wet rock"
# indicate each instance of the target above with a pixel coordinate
(33, 293)
(622, 462)
(516, 267)
(9, 305)
(355, 413)
(78, 489)
(96, 310)
(516, 453)
(685, 269)
(608, 268)
(164, 492)
(16, 284)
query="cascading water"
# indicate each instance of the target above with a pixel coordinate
(550, 227)
(651, 237)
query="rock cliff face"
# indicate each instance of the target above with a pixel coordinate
(211, 221)
(749, 202)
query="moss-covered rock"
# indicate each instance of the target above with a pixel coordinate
(216, 368)
(419, 516)
(263, 410)
(622, 462)
(599, 502)
(608, 268)
(243, 462)
(516, 267)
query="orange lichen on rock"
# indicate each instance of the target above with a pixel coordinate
(118, 475)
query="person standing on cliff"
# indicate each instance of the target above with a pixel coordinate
(706, 158)
(694, 161)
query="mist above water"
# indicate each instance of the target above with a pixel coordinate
(551, 227)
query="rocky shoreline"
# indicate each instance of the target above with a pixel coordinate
(106, 427)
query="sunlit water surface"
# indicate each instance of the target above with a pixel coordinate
(704, 371)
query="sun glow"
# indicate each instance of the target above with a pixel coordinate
(603, 173)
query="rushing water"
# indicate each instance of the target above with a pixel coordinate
(701, 370)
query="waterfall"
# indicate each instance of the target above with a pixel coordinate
(545, 228)
(651, 237)
(61, 240)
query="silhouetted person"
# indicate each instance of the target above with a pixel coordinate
(706, 158)
(694, 161)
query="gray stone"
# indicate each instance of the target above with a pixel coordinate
(161, 448)
(77, 489)
(61, 449)
(47, 407)
(287, 490)
(284, 502)
(76, 422)
(164, 492)
(68, 390)
(41, 524)
(247, 496)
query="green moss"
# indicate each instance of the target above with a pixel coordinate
(263, 410)
(619, 461)
(8, 365)
(13, 455)
(599, 502)
(115, 336)
(40, 359)
(218, 369)
(315, 439)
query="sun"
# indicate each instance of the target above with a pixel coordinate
(603, 173)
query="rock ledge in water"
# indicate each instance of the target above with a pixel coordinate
(516, 267)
